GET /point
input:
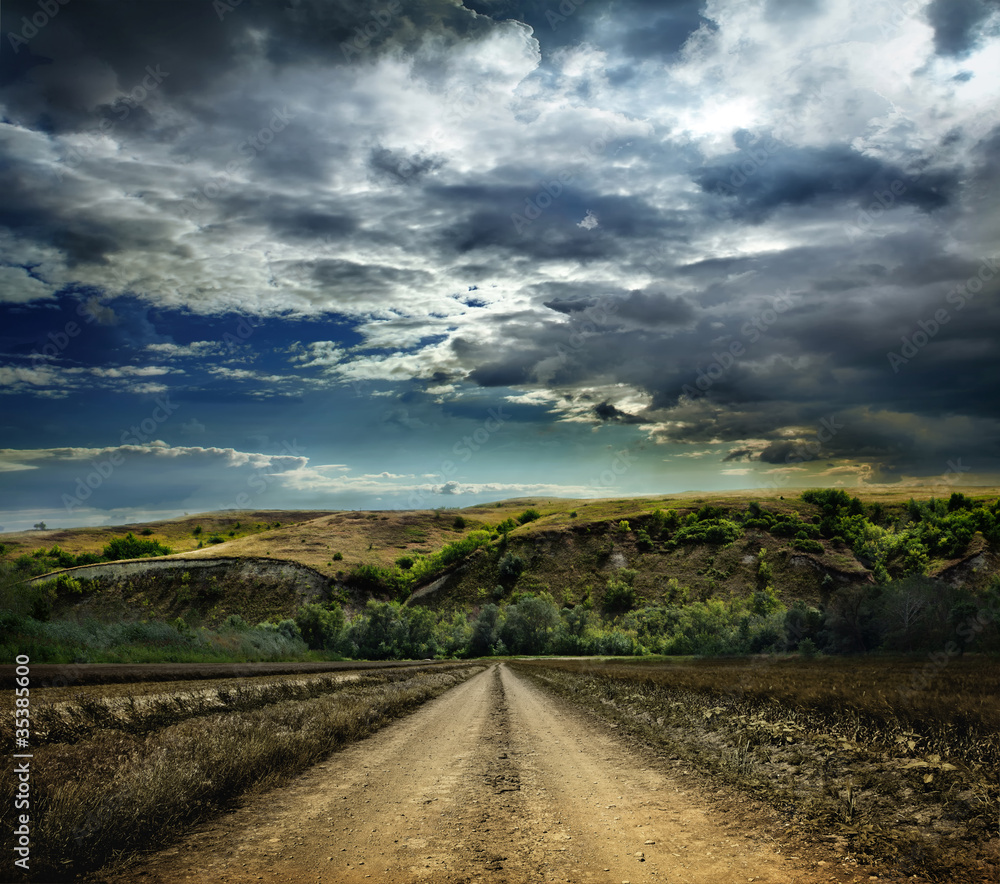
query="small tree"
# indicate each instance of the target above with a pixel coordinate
(320, 627)
(40, 526)
(485, 631)
(510, 568)
(619, 596)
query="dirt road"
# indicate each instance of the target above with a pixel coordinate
(494, 782)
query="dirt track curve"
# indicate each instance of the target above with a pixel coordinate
(493, 782)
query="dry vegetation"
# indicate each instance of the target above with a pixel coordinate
(894, 762)
(177, 533)
(115, 777)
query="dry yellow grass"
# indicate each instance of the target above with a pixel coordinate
(905, 780)
(175, 533)
(114, 793)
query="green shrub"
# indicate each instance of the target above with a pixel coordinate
(338, 557)
(510, 568)
(320, 627)
(807, 649)
(131, 547)
(619, 596)
(764, 571)
(716, 531)
(67, 584)
(528, 516)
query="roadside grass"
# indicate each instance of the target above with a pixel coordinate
(96, 641)
(100, 801)
(898, 771)
(129, 711)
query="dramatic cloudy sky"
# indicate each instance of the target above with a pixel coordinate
(419, 253)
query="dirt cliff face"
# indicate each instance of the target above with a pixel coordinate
(205, 590)
(577, 564)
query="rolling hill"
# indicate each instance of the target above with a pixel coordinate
(665, 549)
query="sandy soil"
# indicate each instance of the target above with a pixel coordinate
(493, 782)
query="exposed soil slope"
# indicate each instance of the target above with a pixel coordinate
(494, 782)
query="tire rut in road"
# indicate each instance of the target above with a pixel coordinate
(493, 797)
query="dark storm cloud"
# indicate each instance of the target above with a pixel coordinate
(605, 412)
(642, 307)
(541, 218)
(650, 308)
(199, 42)
(956, 23)
(35, 209)
(399, 167)
(549, 238)
(737, 293)
(341, 275)
(768, 175)
(300, 223)
(785, 452)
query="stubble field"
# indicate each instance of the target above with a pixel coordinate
(527, 770)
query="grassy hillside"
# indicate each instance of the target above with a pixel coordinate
(181, 534)
(616, 563)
